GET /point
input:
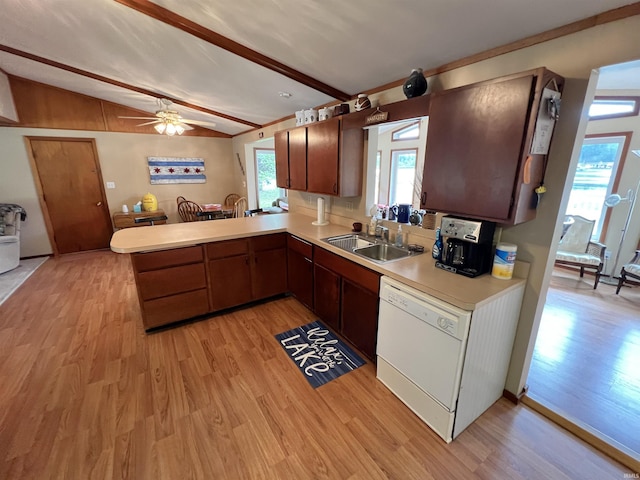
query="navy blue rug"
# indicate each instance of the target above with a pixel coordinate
(318, 353)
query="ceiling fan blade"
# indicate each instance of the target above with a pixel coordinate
(185, 126)
(198, 122)
(141, 118)
(149, 123)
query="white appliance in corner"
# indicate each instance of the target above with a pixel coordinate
(446, 364)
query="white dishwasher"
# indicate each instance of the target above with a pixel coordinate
(446, 364)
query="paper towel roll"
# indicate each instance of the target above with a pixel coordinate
(321, 219)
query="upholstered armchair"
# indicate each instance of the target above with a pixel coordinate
(629, 271)
(577, 250)
(10, 218)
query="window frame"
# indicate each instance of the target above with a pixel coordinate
(281, 191)
(392, 176)
(633, 113)
(402, 129)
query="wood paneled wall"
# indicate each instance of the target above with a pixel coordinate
(43, 106)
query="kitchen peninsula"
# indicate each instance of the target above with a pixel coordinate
(418, 272)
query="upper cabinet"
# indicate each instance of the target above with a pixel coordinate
(478, 159)
(322, 157)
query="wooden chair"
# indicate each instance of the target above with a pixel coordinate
(239, 207)
(188, 211)
(231, 199)
(577, 250)
(630, 271)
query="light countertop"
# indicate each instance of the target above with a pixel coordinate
(418, 271)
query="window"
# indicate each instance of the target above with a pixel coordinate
(613, 107)
(596, 172)
(410, 132)
(403, 173)
(266, 186)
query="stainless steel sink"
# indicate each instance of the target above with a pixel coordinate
(382, 252)
(349, 242)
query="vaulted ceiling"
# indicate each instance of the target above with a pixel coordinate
(246, 63)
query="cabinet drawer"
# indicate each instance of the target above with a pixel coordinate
(360, 275)
(227, 248)
(301, 246)
(169, 281)
(166, 258)
(269, 242)
(163, 311)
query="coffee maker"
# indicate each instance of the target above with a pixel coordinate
(467, 246)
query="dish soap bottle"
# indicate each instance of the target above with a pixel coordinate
(399, 239)
(437, 246)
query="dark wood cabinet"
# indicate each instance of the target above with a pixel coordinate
(478, 162)
(229, 273)
(246, 269)
(321, 157)
(327, 296)
(346, 298)
(291, 158)
(300, 270)
(172, 285)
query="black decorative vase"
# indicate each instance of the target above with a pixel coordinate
(415, 85)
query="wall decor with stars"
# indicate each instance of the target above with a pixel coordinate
(164, 170)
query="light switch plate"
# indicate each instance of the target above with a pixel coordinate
(111, 184)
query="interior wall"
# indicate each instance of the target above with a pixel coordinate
(572, 56)
(7, 107)
(123, 160)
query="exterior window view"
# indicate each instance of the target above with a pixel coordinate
(327, 240)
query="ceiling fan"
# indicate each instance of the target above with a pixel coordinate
(169, 121)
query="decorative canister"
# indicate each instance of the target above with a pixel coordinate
(149, 202)
(504, 261)
(324, 113)
(341, 109)
(362, 103)
(310, 115)
(299, 118)
(415, 85)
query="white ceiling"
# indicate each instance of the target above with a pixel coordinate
(350, 45)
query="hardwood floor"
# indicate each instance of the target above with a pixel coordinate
(85, 393)
(586, 363)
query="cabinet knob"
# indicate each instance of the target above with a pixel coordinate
(99, 204)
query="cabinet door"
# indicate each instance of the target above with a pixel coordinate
(281, 146)
(322, 156)
(298, 158)
(474, 148)
(300, 276)
(326, 296)
(230, 282)
(360, 317)
(269, 273)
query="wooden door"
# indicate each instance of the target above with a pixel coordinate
(300, 275)
(327, 296)
(72, 194)
(360, 317)
(322, 156)
(281, 146)
(230, 282)
(269, 273)
(298, 159)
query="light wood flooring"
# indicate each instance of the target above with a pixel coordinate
(85, 393)
(586, 362)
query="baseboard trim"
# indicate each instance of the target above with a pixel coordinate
(512, 397)
(597, 440)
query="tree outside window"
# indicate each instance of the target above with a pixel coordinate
(267, 189)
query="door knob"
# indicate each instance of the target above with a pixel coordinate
(99, 204)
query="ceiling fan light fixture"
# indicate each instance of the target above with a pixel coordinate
(170, 130)
(179, 129)
(160, 128)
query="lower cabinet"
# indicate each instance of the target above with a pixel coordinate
(300, 269)
(182, 283)
(346, 298)
(172, 285)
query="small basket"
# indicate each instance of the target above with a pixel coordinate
(429, 220)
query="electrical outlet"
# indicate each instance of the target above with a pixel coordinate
(111, 185)
(309, 202)
(349, 206)
(607, 255)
